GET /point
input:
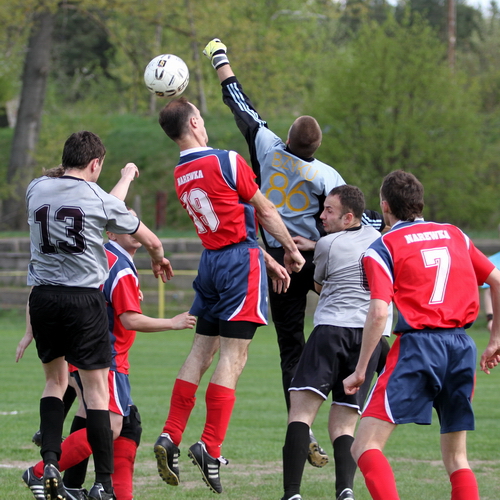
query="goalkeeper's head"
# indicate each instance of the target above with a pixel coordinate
(304, 137)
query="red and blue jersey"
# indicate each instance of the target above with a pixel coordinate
(431, 271)
(121, 291)
(215, 187)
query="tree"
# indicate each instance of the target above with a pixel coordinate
(20, 168)
(390, 101)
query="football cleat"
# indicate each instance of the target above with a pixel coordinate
(316, 455)
(76, 493)
(37, 438)
(347, 494)
(35, 484)
(97, 492)
(167, 459)
(53, 488)
(208, 465)
(295, 497)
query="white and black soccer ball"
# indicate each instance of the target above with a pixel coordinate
(166, 76)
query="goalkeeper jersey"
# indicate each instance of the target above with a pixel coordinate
(297, 186)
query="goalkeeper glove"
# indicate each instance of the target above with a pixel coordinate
(216, 52)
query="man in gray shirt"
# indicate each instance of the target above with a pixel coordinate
(333, 347)
(67, 214)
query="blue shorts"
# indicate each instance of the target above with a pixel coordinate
(231, 285)
(120, 399)
(426, 369)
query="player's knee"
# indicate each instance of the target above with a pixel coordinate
(357, 449)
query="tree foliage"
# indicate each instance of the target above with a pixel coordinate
(389, 101)
(375, 75)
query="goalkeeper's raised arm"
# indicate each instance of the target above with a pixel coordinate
(246, 116)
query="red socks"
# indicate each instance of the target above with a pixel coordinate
(378, 475)
(220, 403)
(124, 456)
(75, 448)
(181, 404)
(464, 485)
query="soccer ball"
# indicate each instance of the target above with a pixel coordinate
(166, 76)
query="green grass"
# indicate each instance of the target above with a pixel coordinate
(256, 433)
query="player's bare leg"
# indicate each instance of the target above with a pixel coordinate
(220, 399)
(371, 437)
(166, 448)
(454, 453)
(199, 358)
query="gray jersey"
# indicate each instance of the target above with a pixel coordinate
(345, 296)
(297, 187)
(67, 217)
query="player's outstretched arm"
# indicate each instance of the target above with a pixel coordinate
(376, 320)
(27, 338)
(159, 264)
(132, 320)
(304, 244)
(488, 308)
(216, 52)
(271, 221)
(491, 356)
(128, 173)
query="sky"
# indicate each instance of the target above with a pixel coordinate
(484, 5)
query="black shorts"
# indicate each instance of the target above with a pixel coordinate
(244, 330)
(329, 356)
(71, 322)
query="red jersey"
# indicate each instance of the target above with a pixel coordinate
(121, 290)
(215, 187)
(431, 271)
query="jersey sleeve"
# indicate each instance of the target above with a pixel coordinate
(373, 218)
(482, 265)
(120, 219)
(125, 294)
(321, 256)
(121, 289)
(246, 116)
(495, 259)
(251, 125)
(245, 179)
(379, 273)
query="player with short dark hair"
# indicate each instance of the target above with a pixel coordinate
(332, 349)
(291, 177)
(431, 271)
(218, 190)
(67, 214)
(123, 296)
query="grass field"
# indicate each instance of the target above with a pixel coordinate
(256, 433)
